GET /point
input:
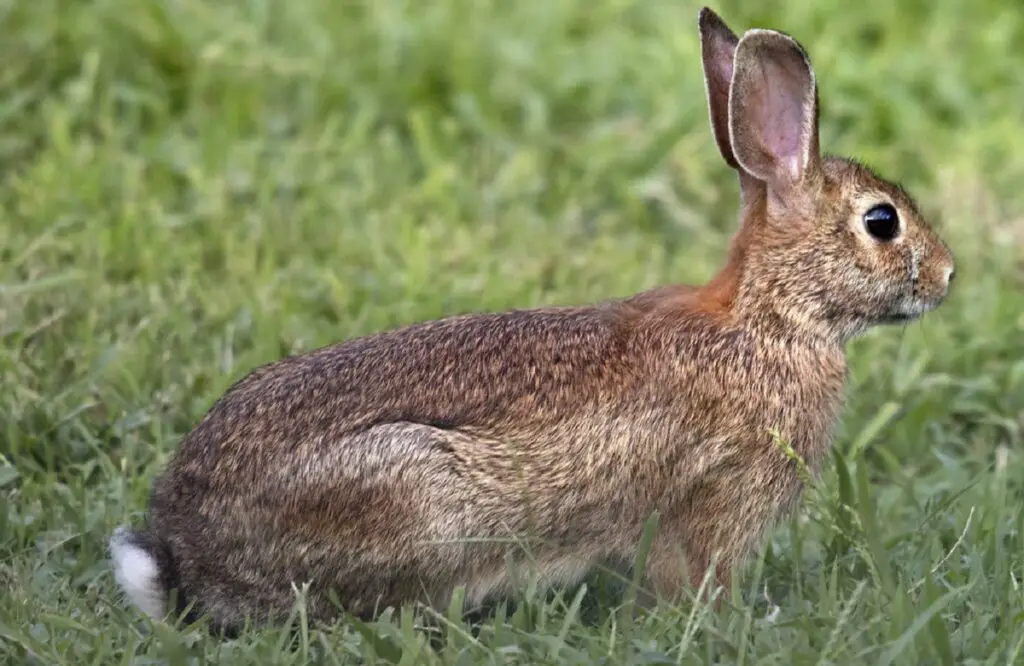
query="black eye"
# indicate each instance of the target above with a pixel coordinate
(882, 222)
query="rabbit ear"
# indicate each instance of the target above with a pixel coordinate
(717, 48)
(773, 109)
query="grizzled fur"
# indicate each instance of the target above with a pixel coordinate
(395, 467)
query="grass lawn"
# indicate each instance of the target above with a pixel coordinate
(191, 189)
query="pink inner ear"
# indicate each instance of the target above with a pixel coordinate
(723, 56)
(785, 86)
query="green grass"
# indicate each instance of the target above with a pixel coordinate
(191, 189)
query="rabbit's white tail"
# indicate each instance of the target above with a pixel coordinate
(137, 571)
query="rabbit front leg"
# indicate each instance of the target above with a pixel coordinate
(718, 528)
(674, 572)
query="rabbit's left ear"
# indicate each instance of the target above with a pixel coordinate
(773, 110)
(718, 50)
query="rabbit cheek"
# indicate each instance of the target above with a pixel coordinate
(916, 289)
(916, 292)
(870, 282)
(915, 265)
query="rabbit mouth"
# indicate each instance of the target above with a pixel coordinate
(910, 310)
(899, 318)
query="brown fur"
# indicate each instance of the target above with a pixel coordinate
(378, 468)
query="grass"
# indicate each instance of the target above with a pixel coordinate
(191, 189)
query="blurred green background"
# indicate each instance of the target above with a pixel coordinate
(191, 189)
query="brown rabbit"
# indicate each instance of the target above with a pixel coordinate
(395, 467)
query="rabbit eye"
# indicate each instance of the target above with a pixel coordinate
(882, 222)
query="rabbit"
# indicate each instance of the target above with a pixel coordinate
(401, 466)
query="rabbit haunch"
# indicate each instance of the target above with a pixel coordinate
(396, 467)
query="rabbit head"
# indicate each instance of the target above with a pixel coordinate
(826, 247)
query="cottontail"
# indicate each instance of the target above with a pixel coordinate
(396, 467)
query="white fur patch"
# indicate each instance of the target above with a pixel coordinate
(136, 572)
(915, 263)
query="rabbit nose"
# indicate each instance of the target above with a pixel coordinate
(949, 269)
(948, 273)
